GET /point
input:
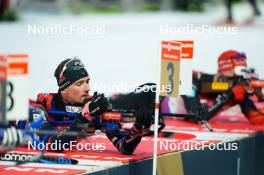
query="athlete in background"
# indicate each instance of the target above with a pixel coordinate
(229, 6)
(10, 137)
(231, 67)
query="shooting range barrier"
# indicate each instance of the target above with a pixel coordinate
(246, 159)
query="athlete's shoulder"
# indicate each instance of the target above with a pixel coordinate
(45, 99)
(44, 96)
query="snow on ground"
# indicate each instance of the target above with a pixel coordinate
(126, 50)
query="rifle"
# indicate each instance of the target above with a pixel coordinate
(249, 78)
(120, 116)
(244, 76)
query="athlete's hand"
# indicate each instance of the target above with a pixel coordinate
(143, 118)
(256, 117)
(97, 105)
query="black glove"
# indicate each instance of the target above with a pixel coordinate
(144, 118)
(96, 106)
(201, 112)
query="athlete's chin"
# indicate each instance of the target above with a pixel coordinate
(83, 98)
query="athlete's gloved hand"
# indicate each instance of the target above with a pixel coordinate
(11, 137)
(239, 93)
(97, 105)
(256, 117)
(144, 118)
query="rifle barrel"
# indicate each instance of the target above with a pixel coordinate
(179, 115)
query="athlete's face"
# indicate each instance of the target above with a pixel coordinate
(77, 92)
(228, 73)
(239, 63)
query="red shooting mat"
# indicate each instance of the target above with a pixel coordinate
(177, 135)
